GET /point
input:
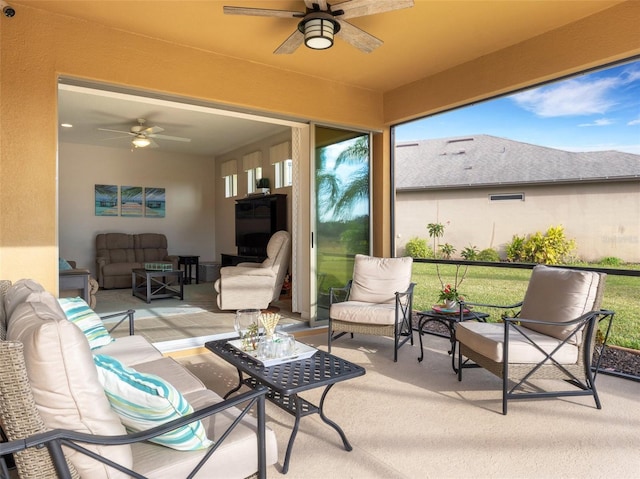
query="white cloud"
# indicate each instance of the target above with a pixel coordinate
(634, 122)
(569, 98)
(599, 122)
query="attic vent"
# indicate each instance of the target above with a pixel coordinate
(458, 140)
(507, 197)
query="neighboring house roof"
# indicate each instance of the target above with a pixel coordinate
(485, 160)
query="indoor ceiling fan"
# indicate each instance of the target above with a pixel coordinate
(143, 136)
(321, 21)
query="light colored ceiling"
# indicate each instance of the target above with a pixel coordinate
(430, 37)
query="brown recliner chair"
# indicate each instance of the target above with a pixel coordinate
(118, 253)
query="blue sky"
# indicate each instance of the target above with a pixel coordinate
(590, 112)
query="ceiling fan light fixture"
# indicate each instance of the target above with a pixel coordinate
(141, 141)
(319, 29)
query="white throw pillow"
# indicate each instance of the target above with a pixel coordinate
(144, 401)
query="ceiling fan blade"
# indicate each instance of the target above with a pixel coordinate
(322, 4)
(153, 144)
(361, 8)
(152, 130)
(167, 137)
(358, 38)
(291, 44)
(114, 138)
(262, 12)
(117, 131)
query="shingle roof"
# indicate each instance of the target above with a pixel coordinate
(482, 160)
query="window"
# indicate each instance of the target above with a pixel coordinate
(253, 175)
(252, 165)
(230, 186)
(229, 173)
(280, 158)
(284, 173)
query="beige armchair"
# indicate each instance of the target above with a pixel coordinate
(552, 337)
(255, 285)
(377, 301)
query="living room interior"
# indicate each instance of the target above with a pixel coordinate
(195, 55)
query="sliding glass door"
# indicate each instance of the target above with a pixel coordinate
(342, 197)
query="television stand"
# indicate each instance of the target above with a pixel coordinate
(234, 259)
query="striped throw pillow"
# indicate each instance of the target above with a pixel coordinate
(144, 401)
(79, 313)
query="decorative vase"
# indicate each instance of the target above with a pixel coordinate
(450, 304)
(246, 325)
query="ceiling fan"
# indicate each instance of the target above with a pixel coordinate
(144, 136)
(321, 21)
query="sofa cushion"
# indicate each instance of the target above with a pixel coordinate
(376, 280)
(368, 313)
(160, 463)
(63, 265)
(18, 293)
(131, 350)
(172, 372)
(78, 312)
(144, 401)
(65, 383)
(558, 295)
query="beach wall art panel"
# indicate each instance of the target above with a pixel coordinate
(131, 201)
(106, 200)
(154, 202)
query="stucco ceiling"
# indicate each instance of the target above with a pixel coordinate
(430, 37)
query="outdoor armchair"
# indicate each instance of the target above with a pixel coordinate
(377, 301)
(552, 336)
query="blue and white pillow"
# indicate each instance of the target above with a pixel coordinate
(78, 312)
(144, 401)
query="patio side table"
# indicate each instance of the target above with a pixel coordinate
(448, 319)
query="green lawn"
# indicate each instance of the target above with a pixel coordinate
(507, 286)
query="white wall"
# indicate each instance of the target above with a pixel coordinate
(225, 211)
(604, 219)
(189, 182)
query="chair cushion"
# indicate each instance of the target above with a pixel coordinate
(65, 383)
(78, 312)
(558, 295)
(144, 401)
(367, 313)
(63, 265)
(376, 280)
(131, 350)
(487, 339)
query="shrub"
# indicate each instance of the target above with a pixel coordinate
(611, 261)
(552, 247)
(515, 249)
(417, 248)
(488, 254)
(470, 253)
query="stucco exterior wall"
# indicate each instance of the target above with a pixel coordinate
(603, 219)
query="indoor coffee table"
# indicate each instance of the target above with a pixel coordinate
(448, 319)
(149, 284)
(287, 380)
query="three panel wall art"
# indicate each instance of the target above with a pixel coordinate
(131, 201)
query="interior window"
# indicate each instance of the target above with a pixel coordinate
(230, 186)
(253, 175)
(284, 173)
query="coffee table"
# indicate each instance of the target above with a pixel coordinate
(448, 319)
(287, 380)
(148, 284)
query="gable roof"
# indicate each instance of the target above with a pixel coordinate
(485, 160)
